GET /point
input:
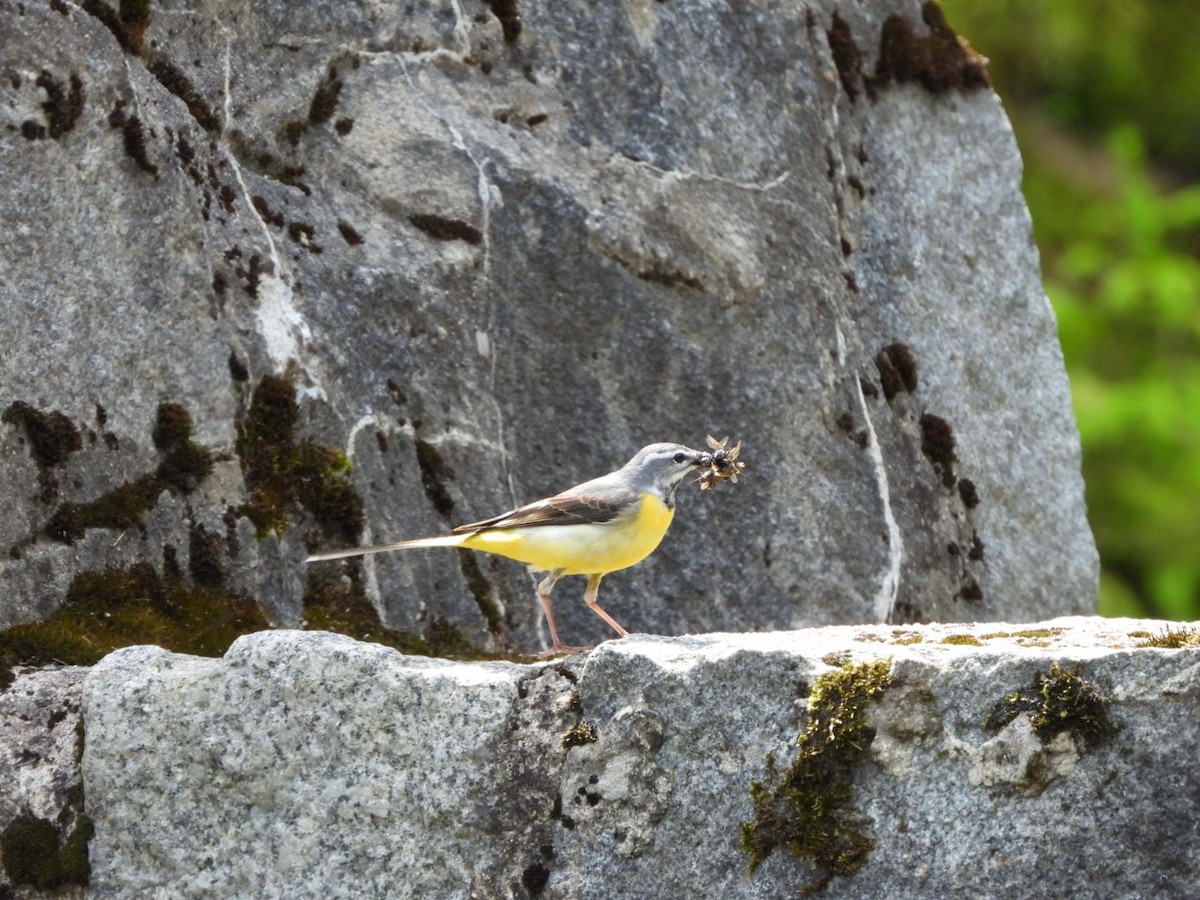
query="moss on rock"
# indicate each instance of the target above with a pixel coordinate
(35, 856)
(1057, 701)
(808, 810)
(119, 607)
(284, 474)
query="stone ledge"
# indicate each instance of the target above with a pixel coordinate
(308, 764)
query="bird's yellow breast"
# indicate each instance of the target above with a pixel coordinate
(584, 549)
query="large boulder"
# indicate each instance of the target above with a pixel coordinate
(1047, 760)
(483, 251)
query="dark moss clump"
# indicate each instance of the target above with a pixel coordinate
(970, 590)
(444, 229)
(1057, 701)
(669, 277)
(52, 438)
(204, 558)
(237, 369)
(172, 425)
(510, 18)
(975, 552)
(121, 508)
(304, 235)
(135, 12)
(897, 370)
(292, 131)
(121, 607)
(808, 809)
(174, 80)
(846, 56)
(33, 856)
(63, 105)
(968, 493)
(848, 425)
(265, 212)
(435, 475)
(349, 233)
(110, 19)
(939, 60)
(535, 878)
(937, 443)
(133, 17)
(325, 101)
(132, 20)
(580, 734)
(183, 465)
(134, 140)
(228, 199)
(74, 865)
(284, 474)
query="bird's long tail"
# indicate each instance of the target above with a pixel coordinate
(450, 540)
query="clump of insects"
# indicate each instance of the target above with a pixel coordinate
(723, 463)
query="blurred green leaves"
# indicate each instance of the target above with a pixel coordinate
(1104, 100)
(1127, 294)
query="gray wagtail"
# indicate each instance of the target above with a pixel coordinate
(600, 526)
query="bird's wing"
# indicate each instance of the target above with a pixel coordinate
(574, 507)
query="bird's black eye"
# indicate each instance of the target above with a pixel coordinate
(680, 457)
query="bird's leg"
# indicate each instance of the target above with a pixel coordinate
(543, 591)
(589, 597)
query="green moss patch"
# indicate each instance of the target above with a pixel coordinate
(580, 734)
(284, 474)
(1057, 701)
(1024, 634)
(809, 809)
(121, 607)
(1171, 638)
(962, 640)
(34, 855)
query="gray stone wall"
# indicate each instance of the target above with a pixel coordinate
(1044, 760)
(495, 248)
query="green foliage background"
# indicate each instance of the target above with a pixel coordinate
(1104, 96)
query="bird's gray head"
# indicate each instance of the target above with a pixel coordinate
(658, 468)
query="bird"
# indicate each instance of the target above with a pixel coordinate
(600, 526)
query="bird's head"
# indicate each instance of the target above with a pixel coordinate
(658, 468)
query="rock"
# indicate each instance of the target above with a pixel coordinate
(493, 249)
(988, 760)
(43, 831)
(286, 729)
